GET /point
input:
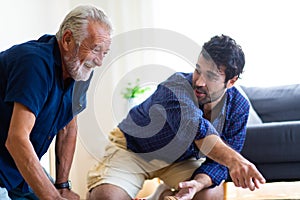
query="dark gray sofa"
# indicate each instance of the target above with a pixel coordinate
(274, 145)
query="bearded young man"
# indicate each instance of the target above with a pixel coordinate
(188, 133)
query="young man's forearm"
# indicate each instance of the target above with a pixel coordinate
(243, 173)
(213, 147)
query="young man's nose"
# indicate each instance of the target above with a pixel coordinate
(200, 81)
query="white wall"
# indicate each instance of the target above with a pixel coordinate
(26, 20)
(267, 31)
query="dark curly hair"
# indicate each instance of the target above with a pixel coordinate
(224, 51)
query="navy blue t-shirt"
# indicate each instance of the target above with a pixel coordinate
(31, 74)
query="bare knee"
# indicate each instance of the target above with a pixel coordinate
(107, 192)
(216, 193)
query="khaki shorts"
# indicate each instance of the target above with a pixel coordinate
(128, 170)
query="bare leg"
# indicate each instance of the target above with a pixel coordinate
(108, 192)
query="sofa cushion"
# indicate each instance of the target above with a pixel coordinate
(276, 142)
(276, 103)
(280, 171)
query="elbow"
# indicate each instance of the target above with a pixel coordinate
(9, 144)
(14, 143)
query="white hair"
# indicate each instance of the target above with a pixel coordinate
(77, 21)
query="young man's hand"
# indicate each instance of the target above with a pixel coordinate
(187, 190)
(244, 174)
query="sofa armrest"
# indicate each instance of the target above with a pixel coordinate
(276, 142)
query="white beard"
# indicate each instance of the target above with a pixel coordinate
(78, 72)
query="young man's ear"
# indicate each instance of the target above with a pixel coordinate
(231, 82)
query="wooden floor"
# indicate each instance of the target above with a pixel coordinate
(278, 190)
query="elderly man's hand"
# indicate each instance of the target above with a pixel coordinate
(69, 194)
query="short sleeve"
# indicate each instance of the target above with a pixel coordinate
(28, 81)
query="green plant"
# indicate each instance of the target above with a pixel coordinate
(134, 90)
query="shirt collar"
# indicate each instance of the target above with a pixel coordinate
(219, 122)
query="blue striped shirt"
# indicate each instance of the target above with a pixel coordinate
(165, 125)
